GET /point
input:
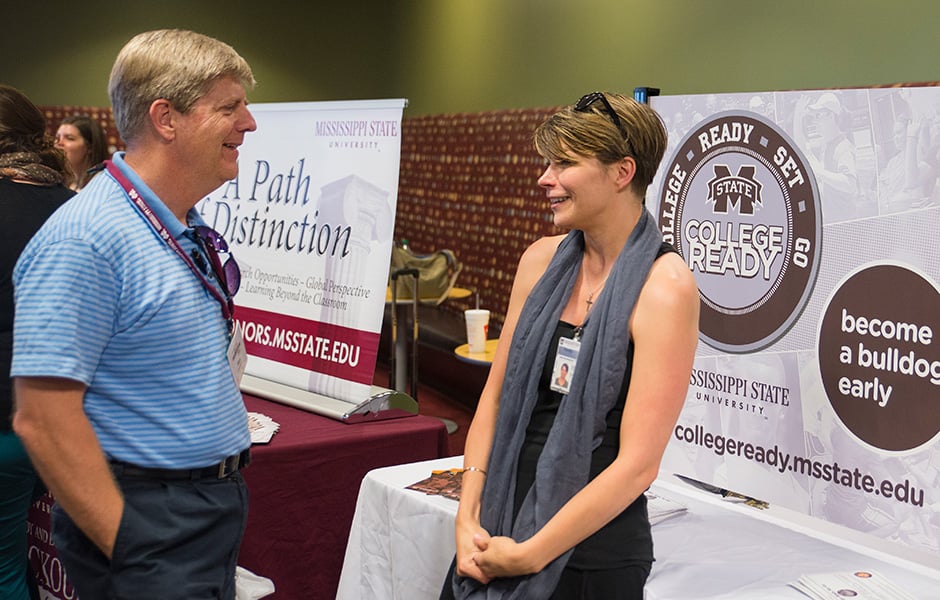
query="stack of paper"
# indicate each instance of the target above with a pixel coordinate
(859, 585)
(262, 428)
(661, 508)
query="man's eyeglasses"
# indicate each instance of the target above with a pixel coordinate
(587, 100)
(228, 274)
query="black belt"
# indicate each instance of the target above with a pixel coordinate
(218, 471)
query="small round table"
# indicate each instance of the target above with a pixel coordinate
(455, 293)
(477, 358)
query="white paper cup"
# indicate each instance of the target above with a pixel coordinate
(478, 324)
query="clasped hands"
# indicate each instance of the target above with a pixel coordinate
(489, 557)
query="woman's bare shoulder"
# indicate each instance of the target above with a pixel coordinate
(670, 285)
(534, 262)
(541, 251)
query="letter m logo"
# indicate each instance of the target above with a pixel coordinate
(741, 190)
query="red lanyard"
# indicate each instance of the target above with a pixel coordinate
(137, 200)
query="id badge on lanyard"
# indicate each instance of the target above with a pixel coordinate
(566, 359)
(237, 354)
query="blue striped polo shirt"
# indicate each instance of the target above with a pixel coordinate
(101, 299)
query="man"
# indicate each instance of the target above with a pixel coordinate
(127, 399)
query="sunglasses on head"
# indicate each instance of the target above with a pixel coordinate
(584, 105)
(228, 273)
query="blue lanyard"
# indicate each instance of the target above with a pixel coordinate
(137, 200)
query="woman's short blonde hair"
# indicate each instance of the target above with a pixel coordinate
(173, 64)
(592, 133)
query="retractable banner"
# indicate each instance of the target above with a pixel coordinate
(310, 219)
(810, 221)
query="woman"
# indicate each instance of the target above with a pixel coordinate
(32, 172)
(85, 147)
(552, 502)
(561, 381)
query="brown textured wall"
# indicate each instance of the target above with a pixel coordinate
(468, 183)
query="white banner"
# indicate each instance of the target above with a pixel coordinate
(310, 220)
(810, 220)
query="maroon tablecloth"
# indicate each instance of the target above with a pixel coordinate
(303, 487)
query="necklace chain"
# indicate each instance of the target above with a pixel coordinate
(590, 304)
(590, 298)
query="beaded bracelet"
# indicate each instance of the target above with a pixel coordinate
(478, 469)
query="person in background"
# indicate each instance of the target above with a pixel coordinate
(32, 172)
(127, 398)
(552, 503)
(83, 141)
(821, 128)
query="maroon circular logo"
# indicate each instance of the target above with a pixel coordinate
(879, 358)
(740, 204)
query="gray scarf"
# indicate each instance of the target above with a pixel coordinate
(563, 467)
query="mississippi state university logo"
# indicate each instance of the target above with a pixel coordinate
(740, 204)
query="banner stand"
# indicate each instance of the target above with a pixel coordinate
(382, 403)
(802, 215)
(310, 217)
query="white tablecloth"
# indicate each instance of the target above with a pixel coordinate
(402, 541)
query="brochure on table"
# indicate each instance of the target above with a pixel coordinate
(810, 220)
(860, 585)
(310, 219)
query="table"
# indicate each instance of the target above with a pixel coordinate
(477, 358)
(302, 486)
(455, 293)
(402, 541)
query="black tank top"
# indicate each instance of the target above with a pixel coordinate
(627, 538)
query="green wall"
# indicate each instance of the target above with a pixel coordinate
(474, 55)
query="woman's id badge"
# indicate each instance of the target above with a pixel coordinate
(565, 361)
